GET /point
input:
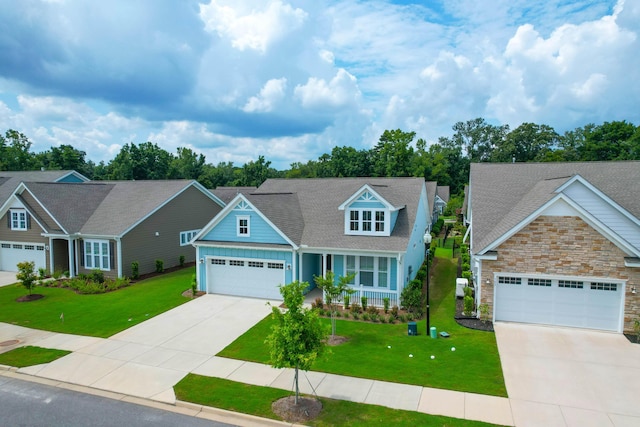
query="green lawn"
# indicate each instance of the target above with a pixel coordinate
(256, 400)
(99, 315)
(381, 351)
(30, 355)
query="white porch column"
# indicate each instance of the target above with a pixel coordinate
(119, 255)
(72, 260)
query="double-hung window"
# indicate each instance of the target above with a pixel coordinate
(369, 271)
(243, 225)
(96, 254)
(379, 221)
(18, 219)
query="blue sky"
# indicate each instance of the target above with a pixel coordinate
(289, 80)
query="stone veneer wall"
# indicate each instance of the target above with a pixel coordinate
(563, 246)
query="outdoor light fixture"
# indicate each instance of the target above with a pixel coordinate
(633, 289)
(201, 260)
(427, 246)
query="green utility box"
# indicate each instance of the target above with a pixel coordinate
(434, 333)
(412, 329)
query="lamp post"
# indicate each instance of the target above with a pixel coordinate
(427, 246)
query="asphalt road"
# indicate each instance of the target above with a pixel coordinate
(27, 404)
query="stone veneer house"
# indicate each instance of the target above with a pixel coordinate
(557, 243)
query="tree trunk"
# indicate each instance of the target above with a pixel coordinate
(296, 382)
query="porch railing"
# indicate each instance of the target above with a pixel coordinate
(375, 296)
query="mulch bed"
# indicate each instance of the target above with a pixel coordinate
(29, 298)
(306, 410)
(189, 294)
(470, 321)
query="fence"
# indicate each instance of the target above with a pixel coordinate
(375, 297)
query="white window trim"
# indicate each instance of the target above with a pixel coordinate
(239, 218)
(90, 265)
(376, 271)
(18, 212)
(372, 232)
(187, 236)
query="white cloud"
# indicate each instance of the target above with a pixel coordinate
(340, 91)
(272, 92)
(251, 28)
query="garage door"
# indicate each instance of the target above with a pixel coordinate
(243, 277)
(13, 253)
(565, 302)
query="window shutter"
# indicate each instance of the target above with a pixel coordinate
(111, 257)
(81, 243)
(9, 219)
(28, 221)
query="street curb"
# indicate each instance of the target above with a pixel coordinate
(180, 407)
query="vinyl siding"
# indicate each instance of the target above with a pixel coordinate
(259, 230)
(191, 210)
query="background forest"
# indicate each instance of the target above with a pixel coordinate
(395, 154)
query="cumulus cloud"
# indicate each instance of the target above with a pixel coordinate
(272, 92)
(318, 93)
(251, 27)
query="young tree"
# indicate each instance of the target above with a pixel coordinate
(297, 337)
(335, 292)
(26, 274)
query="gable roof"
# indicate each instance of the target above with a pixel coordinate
(442, 191)
(106, 208)
(504, 195)
(10, 180)
(432, 190)
(227, 194)
(314, 213)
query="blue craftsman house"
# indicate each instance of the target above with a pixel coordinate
(295, 229)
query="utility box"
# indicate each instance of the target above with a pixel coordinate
(412, 329)
(460, 285)
(434, 333)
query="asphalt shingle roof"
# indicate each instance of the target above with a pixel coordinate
(504, 194)
(9, 180)
(321, 224)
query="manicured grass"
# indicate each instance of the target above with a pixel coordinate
(256, 400)
(30, 355)
(100, 315)
(381, 351)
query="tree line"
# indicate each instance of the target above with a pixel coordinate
(395, 154)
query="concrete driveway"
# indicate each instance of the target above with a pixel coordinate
(7, 278)
(148, 359)
(569, 377)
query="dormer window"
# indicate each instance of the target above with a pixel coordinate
(367, 221)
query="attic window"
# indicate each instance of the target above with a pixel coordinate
(243, 226)
(367, 221)
(18, 219)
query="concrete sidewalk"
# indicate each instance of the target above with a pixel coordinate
(148, 359)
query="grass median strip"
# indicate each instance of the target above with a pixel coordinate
(256, 400)
(30, 355)
(101, 315)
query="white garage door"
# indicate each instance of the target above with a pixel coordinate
(565, 302)
(13, 253)
(249, 278)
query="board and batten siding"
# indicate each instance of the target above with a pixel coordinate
(191, 210)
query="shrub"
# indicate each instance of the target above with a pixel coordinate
(468, 291)
(465, 257)
(42, 273)
(391, 319)
(466, 275)
(355, 315)
(338, 314)
(317, 304)
(636, 329)
(394, 311)
(159, 266)
(466, 267)
(365, 317)
(374, 318)
(410, 317)
(468, 305)
(347, 300)
(194, 285)
(181, 261)
(135, 270)
(372, 310)
(412, 299)
(402, 318)
(363, 300)
(484, 312)
(25, 274)
(421, 274)
(355, 308)
(96, 276)
(385, 303)
(56, 275)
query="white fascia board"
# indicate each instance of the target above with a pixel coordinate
(368, 188)
(230, 245)
(600, 194)
(632, 262)
(208, 193)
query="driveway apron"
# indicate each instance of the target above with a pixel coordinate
(569, 377)
(148, 359)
